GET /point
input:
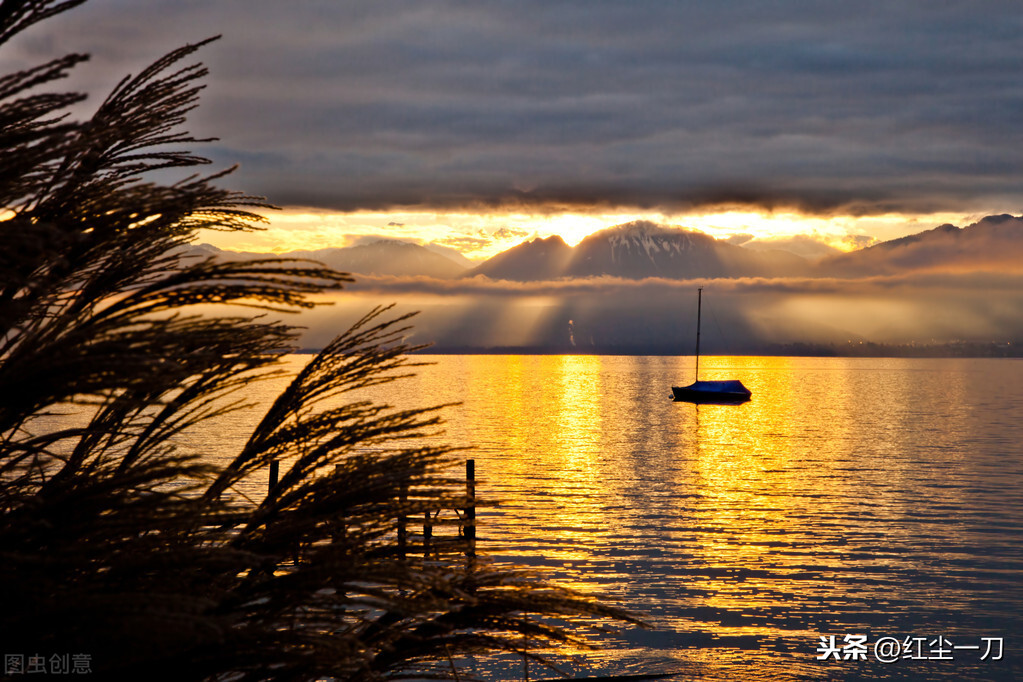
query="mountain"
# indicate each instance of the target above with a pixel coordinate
(637, 250)
(642, 249)
(994, 243)
(538, 259)
(453, 254)
(383, 257)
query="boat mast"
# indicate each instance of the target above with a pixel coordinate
(699, 308)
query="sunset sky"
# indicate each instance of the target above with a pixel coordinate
(477, 124)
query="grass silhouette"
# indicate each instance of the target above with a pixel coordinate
(115, 543)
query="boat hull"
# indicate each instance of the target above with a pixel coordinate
(719, 392)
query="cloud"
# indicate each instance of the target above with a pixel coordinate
(859, 241)
(979, 282)
(463, 243)
(658, 315)
(510, 233)
(826, 108)
(739, 239)
(363, 239)
(811, 247)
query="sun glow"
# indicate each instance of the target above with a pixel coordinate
(481, 235)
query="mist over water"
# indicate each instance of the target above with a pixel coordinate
(655, 316)
(873, 497)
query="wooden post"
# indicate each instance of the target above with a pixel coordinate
(470, 509)
(402, 530)
(525, 657)
(275, 468)
(427, 534)
(339, 527)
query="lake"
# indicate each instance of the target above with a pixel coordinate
(878, 502)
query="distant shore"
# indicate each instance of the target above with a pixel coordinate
(852, 349)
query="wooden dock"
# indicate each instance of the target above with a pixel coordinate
(432, 545)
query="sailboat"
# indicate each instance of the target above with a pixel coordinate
(723, 392)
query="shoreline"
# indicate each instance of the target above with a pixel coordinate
(851, 350)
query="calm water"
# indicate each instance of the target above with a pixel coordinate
(872, 497)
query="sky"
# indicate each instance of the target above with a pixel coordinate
(477, 124)
(813, 125)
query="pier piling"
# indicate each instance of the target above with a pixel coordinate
(470, 509)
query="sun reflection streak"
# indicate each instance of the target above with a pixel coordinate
(762, 489)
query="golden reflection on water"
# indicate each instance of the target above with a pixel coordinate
(550, 409)
(768, 520)
(847, 492)
(746, 497)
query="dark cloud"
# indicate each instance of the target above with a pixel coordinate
(866, 107)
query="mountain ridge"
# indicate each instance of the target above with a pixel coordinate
(637, 250)
(994, 242)
(643, 249)
(382, 257)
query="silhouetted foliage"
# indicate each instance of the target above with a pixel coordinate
(115, 542)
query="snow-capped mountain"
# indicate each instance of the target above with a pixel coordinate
(637, 250)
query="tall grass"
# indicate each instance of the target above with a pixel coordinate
(115, 543)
